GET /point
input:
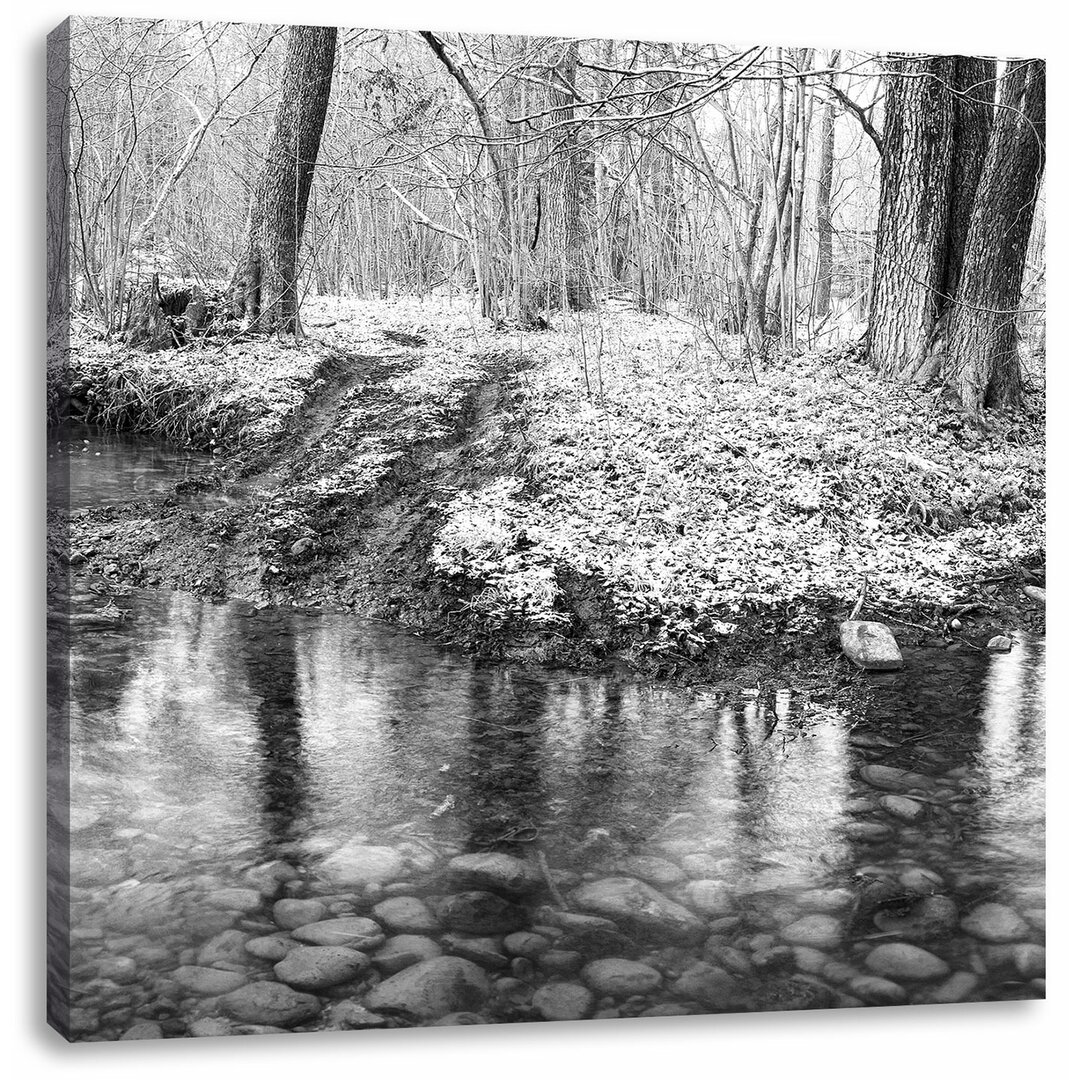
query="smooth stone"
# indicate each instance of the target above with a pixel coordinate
(709, 986)
(668, 1008)
(485, 951)
(272, 947)
(905, 809)
(596, 944)
(479, 912)
(315, 967)
(726, 956)
(527, 944)
(357, 864)
(917, 879)
(877, 991)
(89, 868)
(207, 982)
(651, 868)
(563, 1001)
(1035, 917)
(209, 1027)
(237, 899)
(640, 906)
(828, 900)
(959, 986)
(815, 931)
(994, 922)
(810, 961)
(494, 872)
(900, 960)
(432, 989)
(405, 915)
(999, 643)
(271, 1003)
(708, 898)
(352, 1016)
(698, 866)
(269, 877)
(404, 950)
(1029, 960)
(870, 645)
(889, 778)
(573, 920)
(145, 1029)
(292, 914)
(354, 932)
(619, 978)
(1033, 592)
(228, 947)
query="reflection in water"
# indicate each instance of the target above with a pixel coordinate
(207, 739)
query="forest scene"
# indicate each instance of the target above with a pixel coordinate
(657, 428)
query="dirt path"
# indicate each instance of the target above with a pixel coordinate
(338, 511)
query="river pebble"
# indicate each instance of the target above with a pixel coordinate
(563, 1001)
(145, 1029)
(404, 950)
(480, 912)
(292, 914)
(352, 1016)
(528, 944)
(494, 872)
(620, 978)
(405, 915)
(903, 808)
(271, 1003)
(709, 986)
(237, 899)
(816, 931)
(354, 932)
(994, 922)
(560, 961)
(899, 960)
(641, 906)
(271, 947)
(959, 986)
(651, 868)
(1029, 960)
(877, 991)
(315, 967)
(485, 951)
(432, 989)
(358, 864)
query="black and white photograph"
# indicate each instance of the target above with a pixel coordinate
(540, 527)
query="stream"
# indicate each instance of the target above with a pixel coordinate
(293, 820)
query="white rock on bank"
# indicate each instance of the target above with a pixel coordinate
(870, 645)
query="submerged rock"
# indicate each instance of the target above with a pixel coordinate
(814, 931)
(291, 914)
(404, 950)
(480, 913)
(357, 864)
(640, 906)
(354, 932)
(315, 967)
(432, 989)
(870, 645)
(898, 960)
(620, 978)
(206, 981)
(563, 1001)
(994, 922)
(270, 1003)
(494, 872)
(888, 778)
(405, 915)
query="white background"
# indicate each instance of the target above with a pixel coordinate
(1023, 1039)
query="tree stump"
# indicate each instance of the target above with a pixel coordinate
(146, 326)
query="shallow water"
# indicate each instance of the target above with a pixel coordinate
(210, 740)
(88, 467)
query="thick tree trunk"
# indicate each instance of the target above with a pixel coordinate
(913, 224)
(982, 359)
(975, 82)
(265, 284)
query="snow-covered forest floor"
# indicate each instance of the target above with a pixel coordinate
(613, 481)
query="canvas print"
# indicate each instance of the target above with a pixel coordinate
(540, 529)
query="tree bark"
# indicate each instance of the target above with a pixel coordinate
(982, 360)
(823, 282)
(265, 285)
(913, 225)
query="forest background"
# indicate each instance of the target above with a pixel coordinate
(995, 1046)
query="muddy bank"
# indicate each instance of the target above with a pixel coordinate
(358, 449)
